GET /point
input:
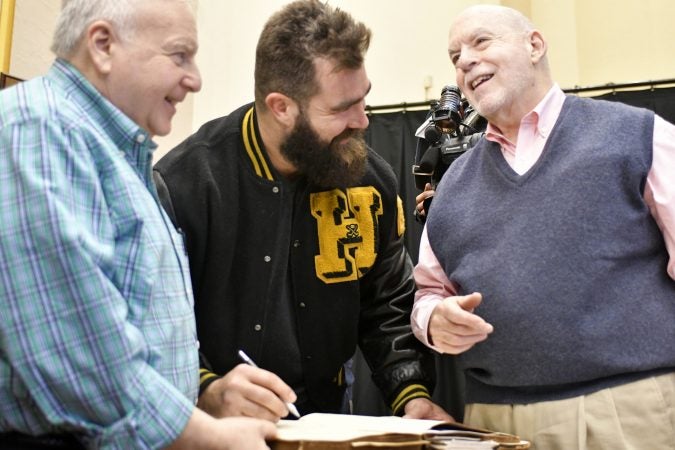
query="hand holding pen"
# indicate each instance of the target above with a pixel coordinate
(291, 407)
(248, 391)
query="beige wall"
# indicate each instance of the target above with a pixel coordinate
(591, 42)
(34, 21)
(633, 44)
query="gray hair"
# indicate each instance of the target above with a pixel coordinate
(77, 15)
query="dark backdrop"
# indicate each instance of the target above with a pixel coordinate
(392, 135)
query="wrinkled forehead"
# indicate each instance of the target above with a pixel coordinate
(463, 30)
(486, 19)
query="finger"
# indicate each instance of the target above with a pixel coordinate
(268, 430)
(263, 403)
(457, 340)
(453, 349)
(450, 317)
(459, 311)
(470, 302)
(248, 393)
(272, 382)
(258, 411)
(460, 334)
(426, 194)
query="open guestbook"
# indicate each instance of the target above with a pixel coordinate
(337, 431)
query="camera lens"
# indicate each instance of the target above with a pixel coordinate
(447, 113)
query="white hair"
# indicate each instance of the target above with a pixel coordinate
(77, 15)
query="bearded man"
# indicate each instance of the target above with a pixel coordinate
(294, 233)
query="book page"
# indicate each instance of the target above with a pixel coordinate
(344, 427)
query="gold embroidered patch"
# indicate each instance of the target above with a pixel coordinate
(347, 223)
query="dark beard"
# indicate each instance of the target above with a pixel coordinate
(327, 165)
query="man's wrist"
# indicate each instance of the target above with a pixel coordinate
(206, 377)
(407, 394)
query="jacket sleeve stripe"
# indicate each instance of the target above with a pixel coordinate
(407, 394)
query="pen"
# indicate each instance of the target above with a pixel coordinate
(291, 407)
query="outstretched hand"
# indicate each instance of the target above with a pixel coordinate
(453, 326)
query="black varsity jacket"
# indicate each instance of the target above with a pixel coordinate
(351, 275)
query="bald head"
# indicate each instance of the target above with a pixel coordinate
(501, 17)
(500, 62)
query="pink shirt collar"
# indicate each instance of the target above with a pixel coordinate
(543, 117)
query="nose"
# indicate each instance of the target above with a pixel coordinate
(193, 79)
(466, 60)
(359, 118)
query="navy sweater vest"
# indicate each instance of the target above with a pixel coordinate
(570, 262)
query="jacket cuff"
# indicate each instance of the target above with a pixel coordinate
(206, 377)
(408, 393)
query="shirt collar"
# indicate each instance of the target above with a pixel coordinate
(548, 110)
(543, 116)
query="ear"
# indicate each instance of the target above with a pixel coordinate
(283, 108)
(101, 38)
(538, 46)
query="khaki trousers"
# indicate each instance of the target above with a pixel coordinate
(633, 416)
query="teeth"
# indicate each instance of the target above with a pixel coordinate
(480, 80)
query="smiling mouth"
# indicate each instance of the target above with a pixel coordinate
(480, 80)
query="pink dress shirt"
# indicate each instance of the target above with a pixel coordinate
(432, 283)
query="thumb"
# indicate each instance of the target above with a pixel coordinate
(470, 302)
(268, 429)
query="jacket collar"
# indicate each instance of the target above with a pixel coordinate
(254, 145)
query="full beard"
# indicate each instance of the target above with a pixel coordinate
(336, 164)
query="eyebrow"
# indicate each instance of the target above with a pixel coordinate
(347, 104)
(475, 33)
(182, 44)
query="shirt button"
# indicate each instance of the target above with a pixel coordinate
(197, 344)
(302, 304)
(140, 138)
(275, 190)
(268, 259)
(296, 243)
(257, 327)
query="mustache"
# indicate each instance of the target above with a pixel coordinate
(350, 133)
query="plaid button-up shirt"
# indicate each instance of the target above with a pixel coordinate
(97, 332)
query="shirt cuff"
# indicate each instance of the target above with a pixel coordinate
(420, 316)
(159, 417)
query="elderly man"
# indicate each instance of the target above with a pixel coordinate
(98, 345)
(548, 259)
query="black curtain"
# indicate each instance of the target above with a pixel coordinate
(661, 100)
(392, 135)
